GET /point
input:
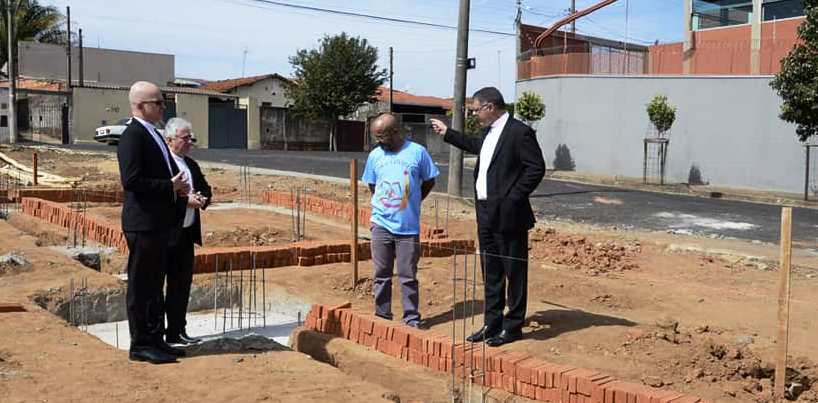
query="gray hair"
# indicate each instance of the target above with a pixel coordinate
(175, 124)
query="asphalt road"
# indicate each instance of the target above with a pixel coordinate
(553, 199)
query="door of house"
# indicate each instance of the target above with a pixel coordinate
(227, 126)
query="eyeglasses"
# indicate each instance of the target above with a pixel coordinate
(157, 102)
(189, 139)
(472, 112)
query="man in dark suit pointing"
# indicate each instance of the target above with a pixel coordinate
(154, 205)
(509, 167)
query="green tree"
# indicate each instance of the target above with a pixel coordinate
(796, 82)
(335, 79)
(661, 114)
(472, 124)
(529, 107)
(563, 161)
(32, 22)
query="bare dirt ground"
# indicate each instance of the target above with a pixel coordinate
(684, 313)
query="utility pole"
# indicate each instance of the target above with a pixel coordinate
(574, 22)
(82, 67)
(10, 12)
(68, 44)
(458, 113)
(518, 22)
(391, 78)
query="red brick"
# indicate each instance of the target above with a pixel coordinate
(524, 369)
(508, 383)
(511, 359)
(367, 324)
(379, 329)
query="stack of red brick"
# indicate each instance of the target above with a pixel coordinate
(317, 205)
(514, 372)
(69, 195)
(435, 233)
(309, 253)
(340, 210)
(95, 229)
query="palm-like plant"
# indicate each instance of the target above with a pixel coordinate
(32, 21)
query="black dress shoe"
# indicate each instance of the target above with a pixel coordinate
(190, 340)
(168, 349)
(181, 339)
(480, 335)
(151, 355)
(504, 337)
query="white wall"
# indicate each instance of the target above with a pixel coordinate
(728, 126)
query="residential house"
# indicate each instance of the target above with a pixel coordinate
(267, 89)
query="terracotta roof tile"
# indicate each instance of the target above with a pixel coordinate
(30, 84)
(227, 85)
(405, 98)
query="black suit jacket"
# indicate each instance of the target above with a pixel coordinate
(150, 203)
(199, 185)
(515, 170)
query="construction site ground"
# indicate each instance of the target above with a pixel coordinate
(684, 313)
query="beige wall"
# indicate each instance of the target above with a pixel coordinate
(96, 107)
(108, 66)
(194, 108)
(269, 90)
(253, 122)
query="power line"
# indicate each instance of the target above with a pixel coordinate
(375, 17)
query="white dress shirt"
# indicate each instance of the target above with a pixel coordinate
(189, 213)
(486, 152)
(158, 139)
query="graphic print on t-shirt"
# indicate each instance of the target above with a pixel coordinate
(392, 195)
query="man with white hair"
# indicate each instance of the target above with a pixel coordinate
(179, 136)
(154, 190)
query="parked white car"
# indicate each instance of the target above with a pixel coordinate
(110, 134)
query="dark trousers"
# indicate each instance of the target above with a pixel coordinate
(387, 249)
(504, 261)
(180, 277)
(147, 262)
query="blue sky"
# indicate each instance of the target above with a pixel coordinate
(209, 37)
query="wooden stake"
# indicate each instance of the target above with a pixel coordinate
(353, 181)
(35, 168)
(783, 303)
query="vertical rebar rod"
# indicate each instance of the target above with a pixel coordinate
(446, 224)
(255, 292)
(465, 295)
(85, 303)
(71, 301)
(264, 297)
(292, 212)
(304, 215)
(436, 221)
(229, 291)
(454, 320)
(216, 297)
(241, 294)
(232, 287)
(473, 287)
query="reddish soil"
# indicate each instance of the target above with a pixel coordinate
(678, 312)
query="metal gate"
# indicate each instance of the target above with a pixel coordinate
(170, 110)
(44, 119)
(227, 126)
